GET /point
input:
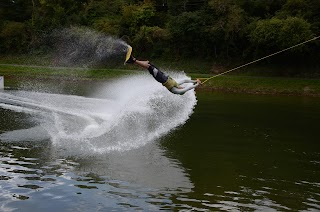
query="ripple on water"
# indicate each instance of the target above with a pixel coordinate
(30, 186)
(2, 177)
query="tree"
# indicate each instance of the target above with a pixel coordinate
(272, 35)
(187, 33)
(103, 9)
(306, 9)
(151, 39)
(226, 27)
(105, 15)
(261, 8)
(136, 15)
(14, 37)
(18, 10)
(50, 14)
(275, 34)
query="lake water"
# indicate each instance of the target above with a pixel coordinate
(130, 145)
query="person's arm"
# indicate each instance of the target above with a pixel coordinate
(181, 91)
(180, 82)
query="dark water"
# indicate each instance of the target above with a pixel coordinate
(235, 153)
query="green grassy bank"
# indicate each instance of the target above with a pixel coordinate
(264, 85)
(14, 71)
(226, 83)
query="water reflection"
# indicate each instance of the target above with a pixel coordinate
(143, 179)
(147, 166)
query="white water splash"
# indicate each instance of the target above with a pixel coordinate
(123, 115)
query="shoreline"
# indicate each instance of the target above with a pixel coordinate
(256, 92)
(226, 84)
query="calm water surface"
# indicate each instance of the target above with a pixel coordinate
(235, 153)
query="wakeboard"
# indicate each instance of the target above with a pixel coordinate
(128, 54)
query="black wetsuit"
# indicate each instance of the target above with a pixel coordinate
(157, 74)
(173, 86)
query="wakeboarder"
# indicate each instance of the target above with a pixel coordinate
(172, 85)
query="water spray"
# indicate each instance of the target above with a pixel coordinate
(84, 47)
(121, 115)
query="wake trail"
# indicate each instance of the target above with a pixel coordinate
(10, 101)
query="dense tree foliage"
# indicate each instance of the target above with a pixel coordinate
(217, 30)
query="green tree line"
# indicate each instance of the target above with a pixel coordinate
(213, 30)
